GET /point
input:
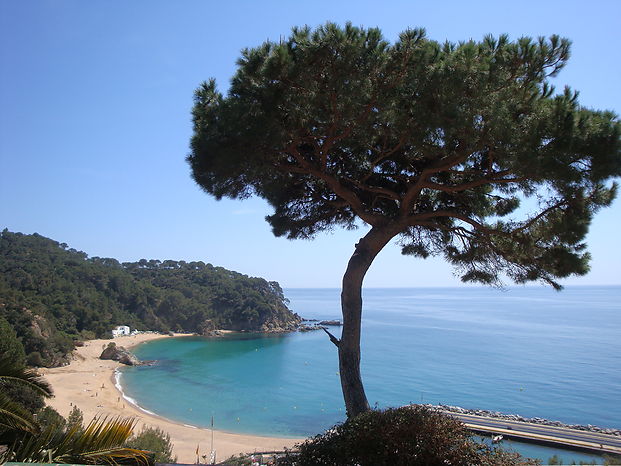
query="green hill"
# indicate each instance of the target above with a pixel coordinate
(53, 295)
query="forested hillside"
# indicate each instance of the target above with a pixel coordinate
(53, 295)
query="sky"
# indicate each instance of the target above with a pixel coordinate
(95, 100)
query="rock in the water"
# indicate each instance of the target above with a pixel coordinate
(278, 324)
(308, 328)
(120, 354)
(331, 323)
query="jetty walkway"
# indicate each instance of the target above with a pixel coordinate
(563, 437)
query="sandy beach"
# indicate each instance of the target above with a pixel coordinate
(88, 382)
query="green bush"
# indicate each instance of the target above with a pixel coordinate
(10, 346)
(154, 440)
(75, 420)
(34, 359)
(237, 460)
(408, 436)
(25, 396)
(48, 417)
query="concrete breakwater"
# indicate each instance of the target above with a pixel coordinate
(517, 417)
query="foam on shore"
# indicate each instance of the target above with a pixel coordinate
(96, 387)
(129, 399)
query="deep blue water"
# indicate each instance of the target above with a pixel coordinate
(530, 350)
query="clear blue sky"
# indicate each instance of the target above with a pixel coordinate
(95, 101)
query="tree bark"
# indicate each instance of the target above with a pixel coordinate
(351, 306)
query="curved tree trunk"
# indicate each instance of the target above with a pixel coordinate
(351, 306)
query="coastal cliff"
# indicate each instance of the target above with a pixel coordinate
(54, 296)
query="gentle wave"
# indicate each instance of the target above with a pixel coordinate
(129, 399)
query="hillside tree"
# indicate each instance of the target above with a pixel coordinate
(463, 151)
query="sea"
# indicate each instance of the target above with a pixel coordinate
(530, 351)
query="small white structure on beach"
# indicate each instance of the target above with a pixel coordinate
(120, 330)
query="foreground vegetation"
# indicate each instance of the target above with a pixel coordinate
(409, 436)
(34, 434)
(52, 295)
(155, 440)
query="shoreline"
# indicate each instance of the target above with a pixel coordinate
(527, 420)
(91, 384)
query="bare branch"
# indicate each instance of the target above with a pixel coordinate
(306, 167)
(333, 339)
(470, 185)
(375, 189)
(414, 191)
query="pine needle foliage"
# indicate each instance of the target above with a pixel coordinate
(442, 141)
(463, 151)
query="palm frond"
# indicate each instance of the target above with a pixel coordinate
(100, 442)
(10, 373)
(100, 434)
(118, 455)
(14, 416)
(33, 448)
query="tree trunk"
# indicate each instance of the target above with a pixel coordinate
(351, 306)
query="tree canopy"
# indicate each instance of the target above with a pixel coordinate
(457, 150)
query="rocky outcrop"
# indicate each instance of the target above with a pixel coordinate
(208, 329)
(281, 324)
(42, 329)
(309, 328)
(333, 323)
(308, 325)
(285, 322)
(120, 354)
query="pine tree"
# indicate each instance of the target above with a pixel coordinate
(75, 420)
(435, 145)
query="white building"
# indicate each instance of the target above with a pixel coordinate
(120, 330)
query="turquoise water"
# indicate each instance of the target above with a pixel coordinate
(530, 351)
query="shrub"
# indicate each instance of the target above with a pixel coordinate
(154, 440)
(34, 359)
(399, 436)
(48, 417)
(25, 396)
(237, 460)
(10, 346)
(75, 419)
(88, 335)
